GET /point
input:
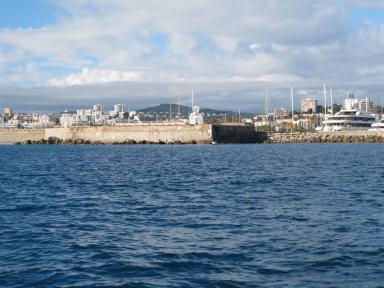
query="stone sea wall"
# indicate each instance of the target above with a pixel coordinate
(12, 136)
(237, 134)
(133, 134)
(130, 134)
(330, 137)
(175, 134)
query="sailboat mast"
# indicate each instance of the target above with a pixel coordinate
(292, 105)
(331, 102)
(193, 100)
(325, 102)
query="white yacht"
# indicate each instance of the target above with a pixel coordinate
(350, 117)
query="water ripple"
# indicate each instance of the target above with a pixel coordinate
(192, 216)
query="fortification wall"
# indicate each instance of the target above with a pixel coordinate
(237, 134)
(13, 135)
(160, 133)
(61, 133)
(119, 134)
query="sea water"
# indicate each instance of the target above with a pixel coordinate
(305, 215)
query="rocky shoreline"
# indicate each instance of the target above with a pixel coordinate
(324, 138)
(266, 138)
(55, 140)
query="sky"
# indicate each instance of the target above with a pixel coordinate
(57, 55)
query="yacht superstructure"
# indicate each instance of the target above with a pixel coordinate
(350, 117)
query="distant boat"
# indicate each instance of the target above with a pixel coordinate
(350, 117)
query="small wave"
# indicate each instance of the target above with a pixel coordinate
(340, 261)
(23, 208)
(274, 271)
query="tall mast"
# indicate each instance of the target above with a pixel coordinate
(266, 105)
(170, 111)
(193, 100)
(292, 105)
(325, 102)
(178, 106)
(331, 102)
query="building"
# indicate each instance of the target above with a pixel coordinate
(118, 108)
(367, 105)
(281, 113)
(118, 111)
(98, 108)
(66, 119)
(308, 105)
(8, 113)
(309, 122)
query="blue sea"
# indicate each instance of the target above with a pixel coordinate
(305, 215)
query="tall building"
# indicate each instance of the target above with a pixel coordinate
(118, 108)
(8, 113)
(98, 108)
(367, 105)
(281, 113)
(308, 105)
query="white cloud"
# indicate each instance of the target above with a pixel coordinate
(94, 76)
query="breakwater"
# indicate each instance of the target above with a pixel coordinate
(329, 137)
(134, 134)
(12, 136)
(176, 134)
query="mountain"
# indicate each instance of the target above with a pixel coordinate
(185, 110)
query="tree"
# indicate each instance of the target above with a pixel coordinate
(337, 108)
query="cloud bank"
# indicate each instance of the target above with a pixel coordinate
(247, 44)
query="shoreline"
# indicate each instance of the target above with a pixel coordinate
(170, 135)
(267, 138)
(329, 137)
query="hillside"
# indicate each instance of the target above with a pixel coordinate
(162, 111)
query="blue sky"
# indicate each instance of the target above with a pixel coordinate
(231, 52)
(364, 14)
(27, 13)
